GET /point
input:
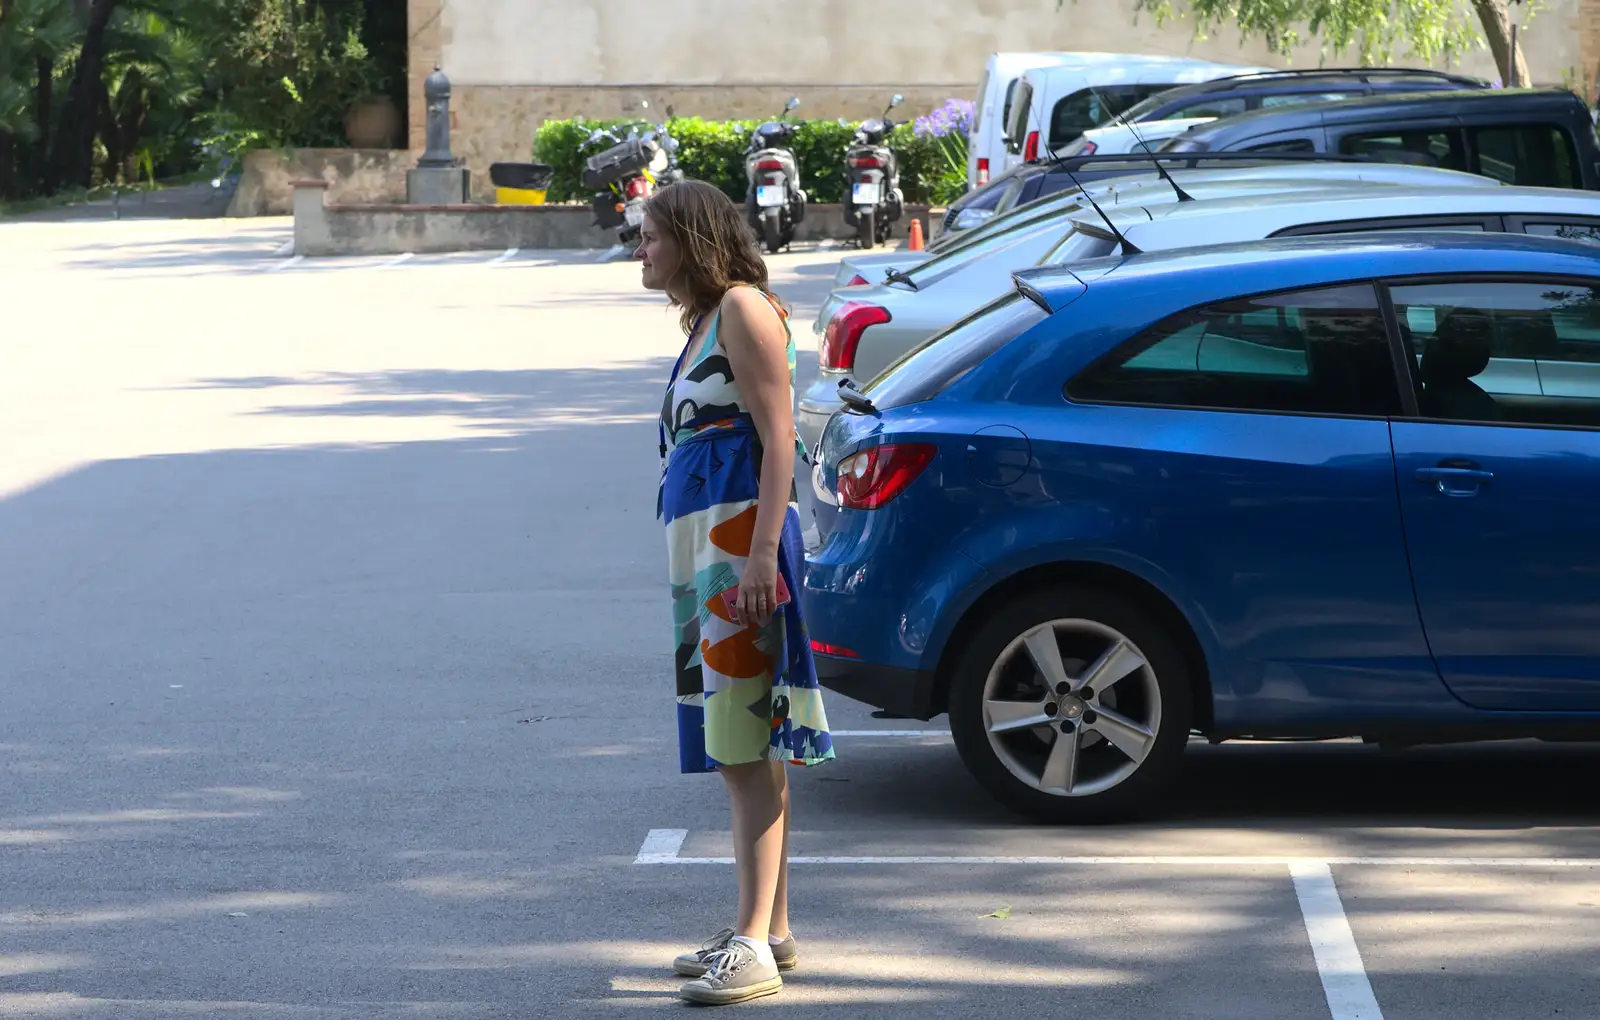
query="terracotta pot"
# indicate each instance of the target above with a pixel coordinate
(373, 123)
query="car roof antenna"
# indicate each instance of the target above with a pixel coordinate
(1128, 247)
(1155, 160)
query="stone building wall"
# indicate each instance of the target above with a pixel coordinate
(516, 63)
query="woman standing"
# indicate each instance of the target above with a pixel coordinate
(748, 699)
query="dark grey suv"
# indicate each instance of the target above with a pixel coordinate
(1539, 137)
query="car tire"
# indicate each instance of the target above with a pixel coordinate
(1143, 707)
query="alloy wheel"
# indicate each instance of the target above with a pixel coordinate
(1072, 707)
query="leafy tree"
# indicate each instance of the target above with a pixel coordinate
(101, 90)
(34, 36)
(1377, 29)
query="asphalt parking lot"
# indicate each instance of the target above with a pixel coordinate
(335, 665)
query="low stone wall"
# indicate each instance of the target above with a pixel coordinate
(323, 227)
(354, 176)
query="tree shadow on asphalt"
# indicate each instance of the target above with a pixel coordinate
(260, 758)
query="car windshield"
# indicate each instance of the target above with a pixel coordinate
(1076, 246)
(933, 365)
(938, 266)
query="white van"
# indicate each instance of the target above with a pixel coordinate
(986, 142)
(1118, 138)
(1052, 106)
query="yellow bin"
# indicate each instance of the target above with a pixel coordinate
(519, 196)
(520, 183)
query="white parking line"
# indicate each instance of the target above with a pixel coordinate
(505, 256)
(286, 263)
(610, 253)
(402, 257)
(659, 848)
(661, 845)
(285, 248)
(1333, 944)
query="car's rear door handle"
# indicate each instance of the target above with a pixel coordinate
(1455, 481)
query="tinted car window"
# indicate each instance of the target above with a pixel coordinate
(931, 366)
(1284, 145)
(1537, 155)
(1571, 231)
(1320, 351)
(1504, 352)
(1218, 108)
(1018, 98)
(982, 245)
(1076, 247)
(1440, 147)
(1297, 98)
(1090, 108)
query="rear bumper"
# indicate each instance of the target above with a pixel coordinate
(902, 692)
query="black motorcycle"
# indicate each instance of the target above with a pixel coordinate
(774, 203)
(873, 201)
(627, 172)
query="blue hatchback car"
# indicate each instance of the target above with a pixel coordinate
(1316, 487)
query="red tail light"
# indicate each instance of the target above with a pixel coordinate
(823, 648)
(638, 188)
(1030, 151)
(769, 164)
(866, 161)
(843, 335)
(1089, 149)
(856, 280)
(871, 478)
(983, 171)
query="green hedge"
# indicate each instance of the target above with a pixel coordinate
(713, 150)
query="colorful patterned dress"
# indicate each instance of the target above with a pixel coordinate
(745, 694)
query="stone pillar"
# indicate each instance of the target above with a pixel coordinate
(310, 216)
(437, 180)
(1589, 48)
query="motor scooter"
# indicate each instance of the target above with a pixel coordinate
(873, 201)
(774, 201)
(627, 172)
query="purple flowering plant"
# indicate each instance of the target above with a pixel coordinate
(949, 126)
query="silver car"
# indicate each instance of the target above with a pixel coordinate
(877, 267)
(868, 327)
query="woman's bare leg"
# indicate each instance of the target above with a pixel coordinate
(758, 842)
(779, 924)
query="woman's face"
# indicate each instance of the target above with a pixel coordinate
(658, 255)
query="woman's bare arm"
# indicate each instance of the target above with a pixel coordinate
(757, 345)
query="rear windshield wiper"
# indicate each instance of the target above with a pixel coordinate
(899, 276)
(855, 399)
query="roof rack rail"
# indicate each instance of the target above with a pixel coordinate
(1187, 160)
(1364, 72)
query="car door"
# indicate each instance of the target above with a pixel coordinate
(1500, 486)
(1258, 431)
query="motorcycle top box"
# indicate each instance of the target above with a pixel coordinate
(621, 160)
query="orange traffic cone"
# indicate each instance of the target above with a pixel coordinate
(915, 243)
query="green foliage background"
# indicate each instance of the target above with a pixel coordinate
(713, 151)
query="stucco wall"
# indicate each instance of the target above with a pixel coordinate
(890, 43)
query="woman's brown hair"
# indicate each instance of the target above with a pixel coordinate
(717, 248)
